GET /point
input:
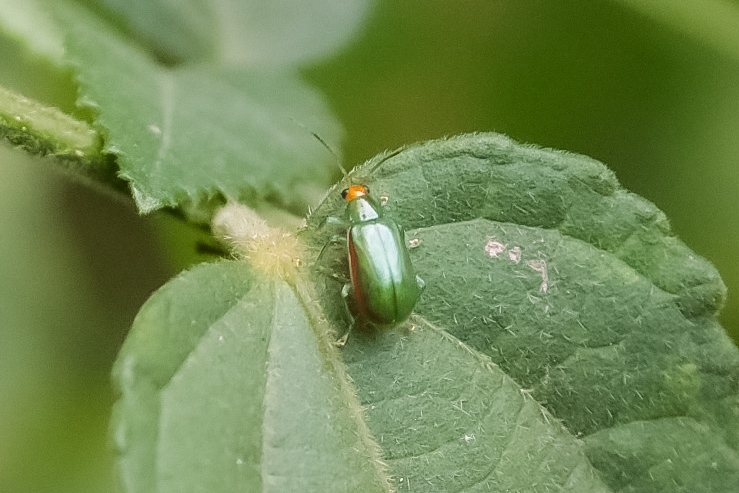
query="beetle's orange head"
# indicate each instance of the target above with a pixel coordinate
(354, 191)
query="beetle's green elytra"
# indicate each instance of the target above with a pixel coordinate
(383, 280)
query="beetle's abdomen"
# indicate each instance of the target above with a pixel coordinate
(381, 272)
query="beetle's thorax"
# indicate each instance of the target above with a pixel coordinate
(362, 209)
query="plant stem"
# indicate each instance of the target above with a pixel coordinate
(46, 131)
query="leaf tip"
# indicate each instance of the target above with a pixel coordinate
(146, 203)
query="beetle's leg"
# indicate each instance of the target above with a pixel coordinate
(335, 239)
(341, 341)
(346, 293)
(420, 283)
(334, 222)
(318, 266)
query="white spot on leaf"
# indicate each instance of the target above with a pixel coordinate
(540, 266)
(494, 247)
(514, 254)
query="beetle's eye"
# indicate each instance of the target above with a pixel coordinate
(344, 193)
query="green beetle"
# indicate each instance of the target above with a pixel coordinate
(384, 283)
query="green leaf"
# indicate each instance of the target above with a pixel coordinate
(184, 135)
(448, 419)
(670, 454)
(227, 385)
(240, 33)
(572, 346)
(576, 288)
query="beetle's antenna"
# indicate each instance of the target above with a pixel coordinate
(386, 157)
(333, 153)
(328, 148)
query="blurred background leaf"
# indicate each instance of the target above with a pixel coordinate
(237, 32)
(650, 98)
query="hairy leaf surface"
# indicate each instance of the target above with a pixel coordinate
(226, 386)
(577, 289)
